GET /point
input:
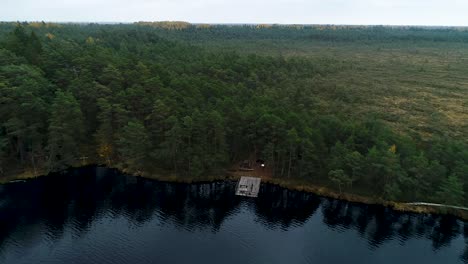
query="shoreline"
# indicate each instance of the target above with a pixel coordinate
(290, 184)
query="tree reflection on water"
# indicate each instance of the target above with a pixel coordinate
(84, 195)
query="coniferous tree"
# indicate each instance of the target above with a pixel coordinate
(3, 146)
(133, 145)
(340, 178)
(451, 191)
(105, 132)
(65, 132)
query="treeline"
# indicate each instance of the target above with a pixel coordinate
(127, 97)
(327, 33)
(179, 30)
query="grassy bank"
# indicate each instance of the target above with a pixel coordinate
(24, 175)
(291, 184)
(403, 207)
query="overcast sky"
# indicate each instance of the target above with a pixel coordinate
(387, 12)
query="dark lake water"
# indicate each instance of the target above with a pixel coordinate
(96, 215)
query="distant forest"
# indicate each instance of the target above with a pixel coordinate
(377, 111)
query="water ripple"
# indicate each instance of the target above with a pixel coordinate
(117, 219)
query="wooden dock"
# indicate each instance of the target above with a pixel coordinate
(248, 186)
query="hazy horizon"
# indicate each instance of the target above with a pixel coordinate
(233, 24)
(311, 12)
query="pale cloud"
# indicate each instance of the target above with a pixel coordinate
(395, 12)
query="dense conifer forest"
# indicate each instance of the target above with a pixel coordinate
(377, 111)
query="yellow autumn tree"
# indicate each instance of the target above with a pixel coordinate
(50, 36)
(90, 40)
(105, 152)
